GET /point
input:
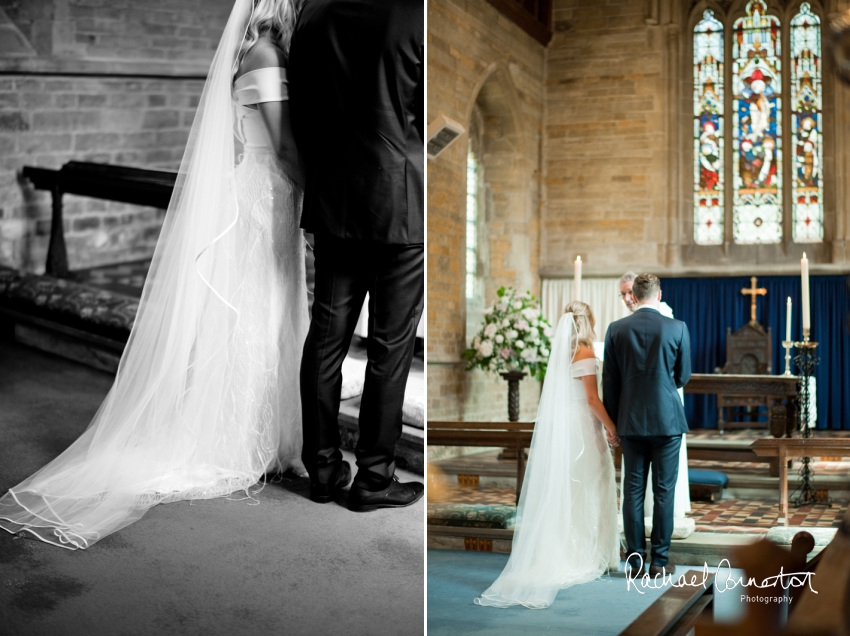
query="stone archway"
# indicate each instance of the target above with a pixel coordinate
(510, 202)
(508, 218)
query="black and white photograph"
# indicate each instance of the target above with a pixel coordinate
(212, 290)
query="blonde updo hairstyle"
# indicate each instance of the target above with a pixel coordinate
(585, 322)
(273, 17)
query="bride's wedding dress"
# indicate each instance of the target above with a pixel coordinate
(206, 397)
(566, 530)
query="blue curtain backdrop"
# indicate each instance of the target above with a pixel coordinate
(709, 305)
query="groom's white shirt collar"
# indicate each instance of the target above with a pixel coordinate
(646, 307)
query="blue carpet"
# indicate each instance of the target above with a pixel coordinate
(600, 607)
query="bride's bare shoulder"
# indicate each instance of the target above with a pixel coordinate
(583, 353)
(263, 54)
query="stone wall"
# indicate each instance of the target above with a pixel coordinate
(111, 81)
(476, 56)
(605, 143)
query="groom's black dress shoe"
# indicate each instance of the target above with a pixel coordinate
(663, 570)
(396, 495)
(634, 567)
(325, 493)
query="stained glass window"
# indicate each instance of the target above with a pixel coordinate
(757, 133)
(471, 222)
(806, 122)
(708, 131)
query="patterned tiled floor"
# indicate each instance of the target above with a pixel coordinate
(729, 515)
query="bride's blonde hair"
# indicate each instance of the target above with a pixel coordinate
(585, 322)
(274, 17)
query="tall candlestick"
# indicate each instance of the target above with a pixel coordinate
(788, 319)
(577, 282)
(804, 277)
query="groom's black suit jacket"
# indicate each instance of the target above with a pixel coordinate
(356, 87)
(647, 357)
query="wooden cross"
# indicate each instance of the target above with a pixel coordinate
(753, 292)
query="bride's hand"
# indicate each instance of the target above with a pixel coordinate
(611, 434)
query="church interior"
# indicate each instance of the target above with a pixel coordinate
(97, 98)
(571, 142)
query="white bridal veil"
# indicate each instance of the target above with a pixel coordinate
(556, 541)
(188, 416)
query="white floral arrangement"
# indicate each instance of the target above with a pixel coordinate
(514, 336)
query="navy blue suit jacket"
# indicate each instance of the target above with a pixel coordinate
(356, 76)
(647, 357)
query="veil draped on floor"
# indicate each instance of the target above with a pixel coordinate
(556, 526)
(190, 414)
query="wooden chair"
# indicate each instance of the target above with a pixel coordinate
(748, 352)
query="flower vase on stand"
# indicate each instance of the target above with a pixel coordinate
(513, 342)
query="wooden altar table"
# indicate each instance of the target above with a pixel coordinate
(789, 448)
(780, 390)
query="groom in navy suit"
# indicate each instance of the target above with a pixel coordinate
(647, 358)
(356, 84)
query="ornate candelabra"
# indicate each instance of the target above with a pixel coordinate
(806, 361)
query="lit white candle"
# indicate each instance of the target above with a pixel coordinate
(804, 277)
(577, 281)
(788, 320)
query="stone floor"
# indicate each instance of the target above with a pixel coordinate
(209, 567)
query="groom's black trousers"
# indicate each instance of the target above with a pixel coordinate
(346, 270)
(662, 452)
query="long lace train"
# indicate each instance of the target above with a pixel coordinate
(566, 531)
(193, 416)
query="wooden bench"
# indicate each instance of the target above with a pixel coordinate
(100, 181)
(788, 448)
(511, 435)
(688, 610)
(828, 611)
(678, 610)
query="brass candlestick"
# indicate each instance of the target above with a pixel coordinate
(806, 344)
(787, 345)
(791, 344)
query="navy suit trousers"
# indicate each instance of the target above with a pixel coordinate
(662, 453)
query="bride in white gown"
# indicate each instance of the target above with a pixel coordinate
(206, 397)
(566, 530)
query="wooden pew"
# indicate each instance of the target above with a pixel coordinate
(511, 435)
(100, 181)
(828, 611)
(785, 448)
(678, 610)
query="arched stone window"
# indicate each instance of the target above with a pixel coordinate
(476, 237)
